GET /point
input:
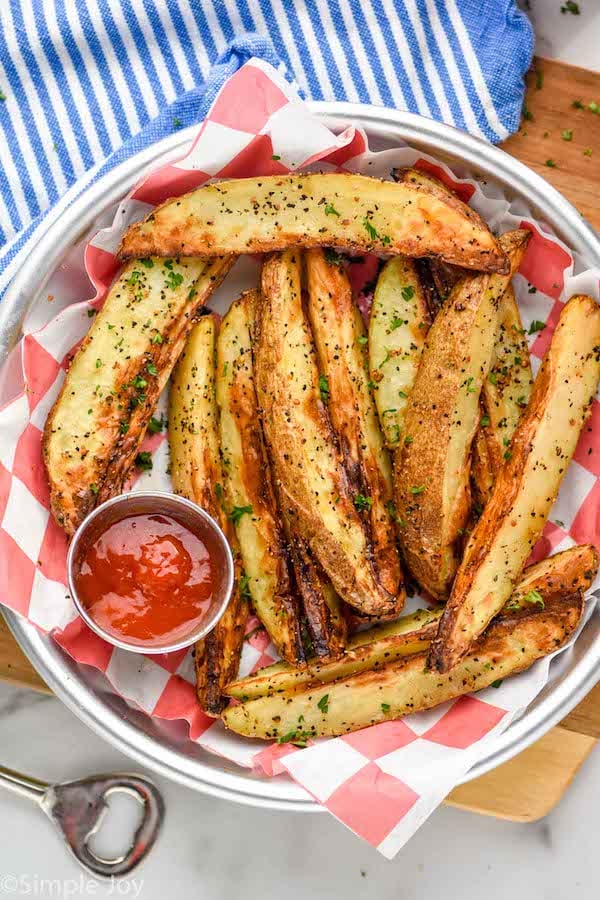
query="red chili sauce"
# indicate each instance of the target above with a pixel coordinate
(147, 578)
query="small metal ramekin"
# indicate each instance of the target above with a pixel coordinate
(186, 513)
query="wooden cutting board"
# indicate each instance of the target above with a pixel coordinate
(528, 786)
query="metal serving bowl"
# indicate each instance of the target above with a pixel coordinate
(164, 746)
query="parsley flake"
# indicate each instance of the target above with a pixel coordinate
(361, 502)
(238, 511)
(324, 388)
(370, 228)
(417, 490)
(535, 326)
(323, 703)
(330, 210)
(144, 461)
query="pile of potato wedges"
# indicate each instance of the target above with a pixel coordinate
(343, 461)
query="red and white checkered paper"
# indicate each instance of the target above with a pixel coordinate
(383, 781)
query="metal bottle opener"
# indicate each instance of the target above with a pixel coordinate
(77, 808)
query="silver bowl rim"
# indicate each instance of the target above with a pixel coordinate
(52, 664)
(175, 500)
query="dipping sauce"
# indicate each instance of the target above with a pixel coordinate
(146, 578)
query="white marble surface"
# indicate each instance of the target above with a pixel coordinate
(214, 850)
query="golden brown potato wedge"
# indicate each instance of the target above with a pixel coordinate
(528, 483)
(353, 212)
(99, 419)
(248, 489)
(312, 484)
(511, 644)
(370, 649)
(542, 584)
(431, 472)
(398, 326)
(196, 474)
(340, 341)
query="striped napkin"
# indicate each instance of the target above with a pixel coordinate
(85, 84)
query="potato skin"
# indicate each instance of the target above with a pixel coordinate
(247, 483)
(431, 471)
(309, 475)
(511, 644)
(99, 419)
(339, 337)
(352, 212)
(197, 474)
(527, 485)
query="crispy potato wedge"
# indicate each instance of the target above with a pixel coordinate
(99, 419)
(398, 326)
(340, 341)
(353, 212)
(247, 485)
(542, 584)
(527, 484)
(511, 644)
(370, 649)
(196, 474)
(310, 478)
(431, 473)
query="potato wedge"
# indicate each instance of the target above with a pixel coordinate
(310, 479)
(196, 474)
(353, 212)
(398, 326)
(247, 485)
(99, 419)
(370, 649)
(528, 483)
(542, 584)
(511, 644)
(431, 473)
(340, 341)
(323, 611)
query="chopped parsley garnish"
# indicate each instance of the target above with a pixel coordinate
(238, 511)
(497, 683)
(577, 104)
(397, 322)
(330, 210)
(146, 263)
(527, 114)
(144, 461)
(134, 277)
(551, 164)
(370, 228)
(469, 385)
(324, 388)
(139, 382)
(176, 122)
(484, 421)
(124, 427)
(155, 426)
(408, 293)
(385, 707)
(323, 703)
(535, 326)
(593, 107)
(567, 134)
(91, 313)
(493, 378)
(2, 96)
(244, 587)
(417, 490)
(151, 369)
(534, 598)
(275, 157)
(570, 7)
(363, 339)
(408, 439)
(174, 279)
(539, 79)
(98, 363)
(587, 151)
(94, 488)
(403, 395)
(332, 256)
(157, 338)
(361, 502)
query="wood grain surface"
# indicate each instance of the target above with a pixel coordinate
(528, 786)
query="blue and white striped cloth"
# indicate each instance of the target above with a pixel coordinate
(86, 83)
